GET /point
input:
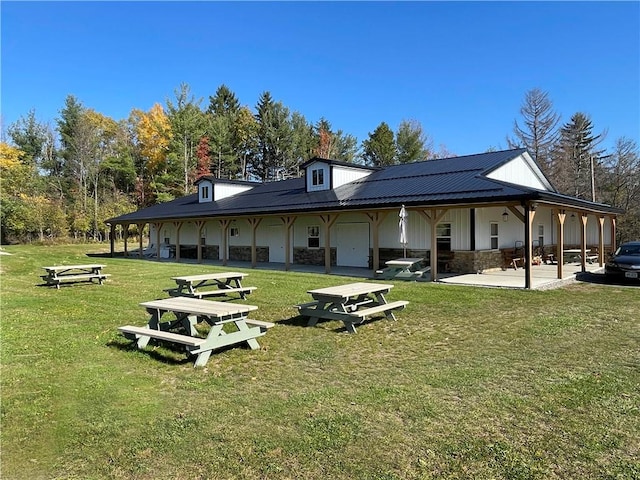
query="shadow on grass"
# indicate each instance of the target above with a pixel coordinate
(602, 279)
(300, 321)
(163, 351)
(296, 321)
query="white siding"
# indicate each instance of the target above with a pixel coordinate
(519, 172)
(205, 186)
(326, 179)
(224, 190)
(342, 175)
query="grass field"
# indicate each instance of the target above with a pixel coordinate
(468, 383)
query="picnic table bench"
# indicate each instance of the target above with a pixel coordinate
(188, 312)
(350, 303)
(74, 273)
(224, 283)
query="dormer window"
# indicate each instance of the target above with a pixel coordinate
(317, 176)
(205, 192)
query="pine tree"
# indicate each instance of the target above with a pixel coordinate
(380, 148)
(411, 142)
(576, 159)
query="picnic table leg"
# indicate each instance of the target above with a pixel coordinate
(381, 300)
(189, 324)
(202, 358)
(252, 342)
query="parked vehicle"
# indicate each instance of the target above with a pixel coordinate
(625, 262)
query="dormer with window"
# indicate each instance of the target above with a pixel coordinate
(212, 189)
(323, 174)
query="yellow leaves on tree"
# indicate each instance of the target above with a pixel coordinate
(9, 156)
(154, 134)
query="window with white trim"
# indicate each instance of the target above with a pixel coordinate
(205, 192)
(313, 236)
(234, 232)
(493, 235)
(317, 176)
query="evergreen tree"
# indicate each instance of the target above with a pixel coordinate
(274, 140)
(539, 133)
(411, 142)
(224, 102)
(188, 124)
(380, 148)
(576, 160)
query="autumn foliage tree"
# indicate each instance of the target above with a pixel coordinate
(204, 161)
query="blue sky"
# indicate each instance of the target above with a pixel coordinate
(459, 68)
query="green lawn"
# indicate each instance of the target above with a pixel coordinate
(468, 383)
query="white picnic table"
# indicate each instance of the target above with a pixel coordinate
(60, 273)
(224, 283)
(188, 312)
(403, 269)
(350, 303)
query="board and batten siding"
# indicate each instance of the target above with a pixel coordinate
(519, 172)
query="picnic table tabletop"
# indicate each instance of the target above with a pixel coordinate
(197, 306)
(224, 283)
(58, 268)
(350, 290)
(403, 262)
(209, 276)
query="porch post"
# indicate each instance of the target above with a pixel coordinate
(199, 226)
(125, 238)
(253, 223)
(112, 245)
(178, 226)
(583, 242)
(140, 230)
(613, 234)
(375, 219)
(288, 224)
(224, 224)
(561, 216)
(530, 213)
(327, 221)
(158, 228)
(600, 241)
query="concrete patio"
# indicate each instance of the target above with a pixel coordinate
(542, 276)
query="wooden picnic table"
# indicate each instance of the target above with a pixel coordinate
(224, 283)
(188, 312)
(403, 269)
(350, 303)
(74, 273)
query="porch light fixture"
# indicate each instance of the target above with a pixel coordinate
(505, 216)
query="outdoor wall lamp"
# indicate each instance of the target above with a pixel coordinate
(505, 216)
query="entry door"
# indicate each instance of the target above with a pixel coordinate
(352, 240)
(276, 243)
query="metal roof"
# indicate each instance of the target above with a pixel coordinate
(458, 180)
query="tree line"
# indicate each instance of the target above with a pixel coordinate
(65, 180)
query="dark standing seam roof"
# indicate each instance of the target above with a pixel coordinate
(455, 180)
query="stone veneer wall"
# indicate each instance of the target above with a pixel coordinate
(313, 256)
(243, 254)
(211, 252)
(476, 261)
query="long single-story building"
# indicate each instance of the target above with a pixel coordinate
(465, 214)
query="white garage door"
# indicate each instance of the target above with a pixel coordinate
(352, 244)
